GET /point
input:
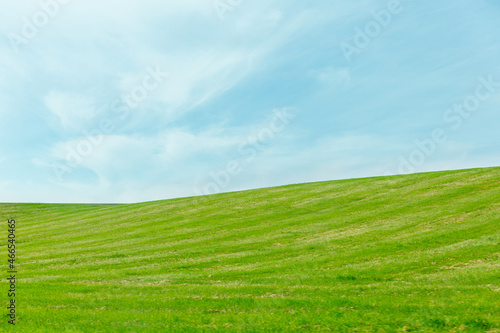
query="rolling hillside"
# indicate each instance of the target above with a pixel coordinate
(389, 254)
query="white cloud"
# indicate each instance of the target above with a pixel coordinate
(333, 77)
(74, 111)
(196, 78)
(120, 156)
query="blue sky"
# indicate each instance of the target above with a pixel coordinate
(128, 101)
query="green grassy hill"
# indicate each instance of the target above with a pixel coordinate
(391, 254)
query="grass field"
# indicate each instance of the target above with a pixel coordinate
(389, 254)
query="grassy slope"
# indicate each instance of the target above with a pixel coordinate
(415, 252)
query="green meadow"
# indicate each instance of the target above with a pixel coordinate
(410, 253)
